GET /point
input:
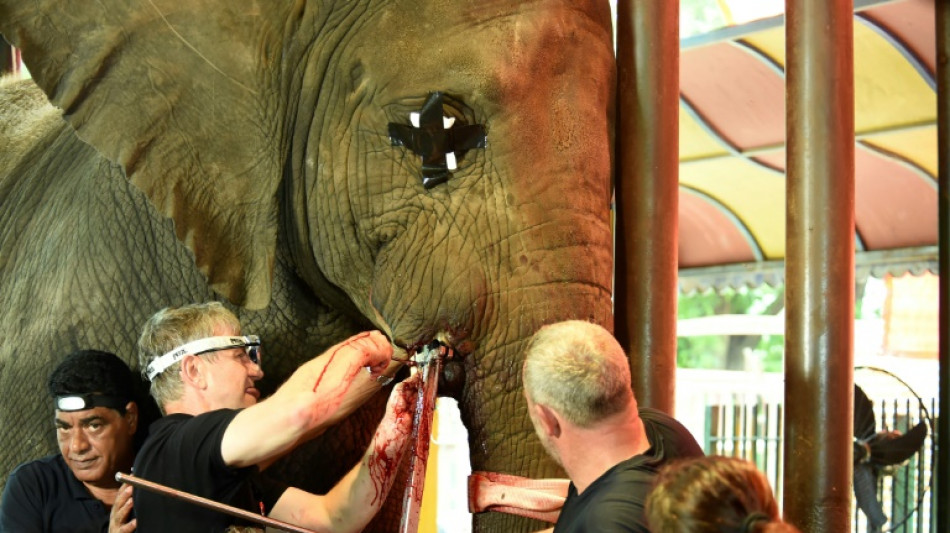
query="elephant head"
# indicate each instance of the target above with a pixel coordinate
(431, 168)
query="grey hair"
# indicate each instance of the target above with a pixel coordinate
(578, 369)
(171, 327)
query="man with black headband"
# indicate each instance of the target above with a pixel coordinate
(216, 436)
(96, 417)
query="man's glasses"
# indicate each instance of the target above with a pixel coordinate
(250, 343)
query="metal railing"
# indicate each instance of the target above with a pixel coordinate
(752, 429)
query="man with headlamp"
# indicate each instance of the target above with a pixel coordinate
(215, 436)
(96, 418)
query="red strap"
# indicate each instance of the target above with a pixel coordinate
(540, 499)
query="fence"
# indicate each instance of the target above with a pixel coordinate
(751, 428)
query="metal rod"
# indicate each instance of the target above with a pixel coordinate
(647, 196)
(421, 438)
(206, 503)
(819, 264)
(942, 438)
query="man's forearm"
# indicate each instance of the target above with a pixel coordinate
(308, 402)
(356, 499)
(363, 491)
(361, 389)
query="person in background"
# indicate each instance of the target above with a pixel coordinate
(216, 437)
(96, 418)
(714, 495)
(581, 403)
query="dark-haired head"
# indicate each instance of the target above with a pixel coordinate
(96, 415)
(92, 372)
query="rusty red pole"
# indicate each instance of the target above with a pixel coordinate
(942, 16)
(819, 264)
(145, 484)
(647, 195)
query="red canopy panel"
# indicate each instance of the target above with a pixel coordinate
(739, 93)
(709, 234)
(911, 22)
(733, 95)
(895, 204)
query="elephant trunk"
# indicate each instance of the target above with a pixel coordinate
(493, 409)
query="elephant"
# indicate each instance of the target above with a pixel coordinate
(435, 169)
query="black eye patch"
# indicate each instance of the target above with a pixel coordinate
(438, 140)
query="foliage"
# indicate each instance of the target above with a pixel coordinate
(699, 16)
(731, 352)
(752, 352)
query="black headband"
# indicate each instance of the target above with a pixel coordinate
(81, 402)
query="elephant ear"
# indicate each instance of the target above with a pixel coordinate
(173, 91)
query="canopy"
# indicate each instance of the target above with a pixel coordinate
(732, 147)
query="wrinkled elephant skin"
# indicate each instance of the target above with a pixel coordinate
(241, 151)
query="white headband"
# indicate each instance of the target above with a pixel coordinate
(200, 346)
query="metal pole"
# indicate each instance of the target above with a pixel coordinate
(421, 438)
(942, 16)
(819, 264)
(647, 195)
(206, 503)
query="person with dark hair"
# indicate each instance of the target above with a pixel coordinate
(577, 385)
(714, 494)
(96, 417)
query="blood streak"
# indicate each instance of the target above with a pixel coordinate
(333, 354)
(383, 466)
(422, 439)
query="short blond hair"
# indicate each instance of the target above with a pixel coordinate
(578, 369)
(171, 327)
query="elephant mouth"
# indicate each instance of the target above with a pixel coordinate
(452, 353)
(454, 345)
(420, 354)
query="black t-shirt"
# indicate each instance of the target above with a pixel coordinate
(43, 496)
(615, 501)
(184, 452)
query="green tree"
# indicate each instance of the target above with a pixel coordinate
(699, 16)
(728, 352)
(724, 352)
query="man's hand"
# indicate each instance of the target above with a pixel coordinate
(353, 502)
(342, 368)
(321, 392)
(373, 349)
(394, 429)
(392, 438)
(119, 518)
(331, 372)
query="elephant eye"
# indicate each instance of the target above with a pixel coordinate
(439, 135)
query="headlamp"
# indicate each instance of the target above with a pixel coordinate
(251, 343)
(81, 402)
